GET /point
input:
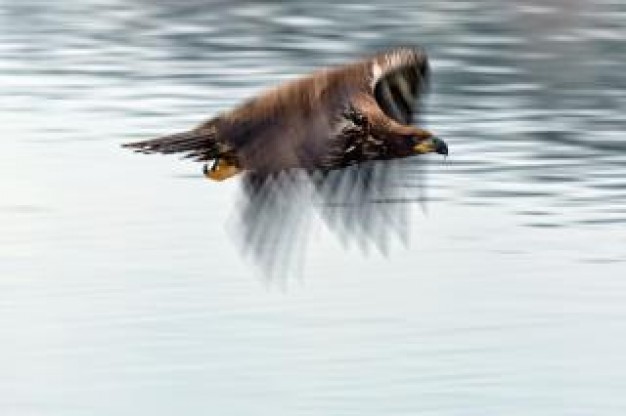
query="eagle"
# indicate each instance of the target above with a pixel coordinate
(329, 120)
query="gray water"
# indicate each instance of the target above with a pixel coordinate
(122, 291)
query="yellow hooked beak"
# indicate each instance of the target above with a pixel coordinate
(431, 145)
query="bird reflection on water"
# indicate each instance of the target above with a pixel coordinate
(367, 206)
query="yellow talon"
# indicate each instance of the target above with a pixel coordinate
(221, 170)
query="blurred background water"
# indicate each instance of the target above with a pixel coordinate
(122, 292)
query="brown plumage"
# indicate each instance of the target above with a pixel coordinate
(330, 119)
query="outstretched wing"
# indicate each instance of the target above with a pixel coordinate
(400, 78)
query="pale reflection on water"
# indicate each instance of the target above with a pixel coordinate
(123, 292)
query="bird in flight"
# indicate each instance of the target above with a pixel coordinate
(329, 120)
(341, 130)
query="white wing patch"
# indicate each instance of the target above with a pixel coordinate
(393, 61)
(377, 72)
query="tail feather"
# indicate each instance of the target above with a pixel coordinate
(199, 145)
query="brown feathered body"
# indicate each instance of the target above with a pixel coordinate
(329, 119)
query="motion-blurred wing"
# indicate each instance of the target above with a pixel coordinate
(400, 79)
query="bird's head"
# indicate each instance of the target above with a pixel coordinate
(425, 142)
